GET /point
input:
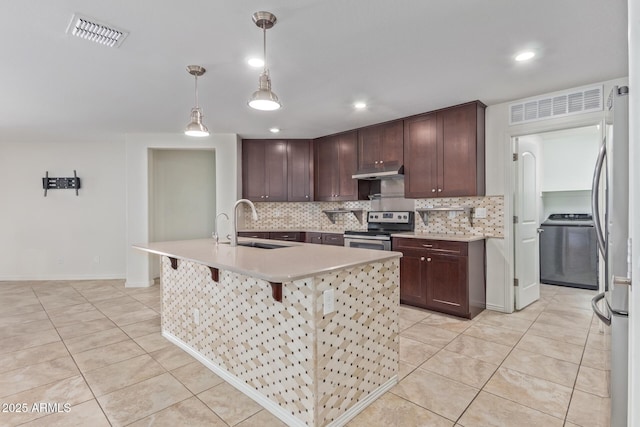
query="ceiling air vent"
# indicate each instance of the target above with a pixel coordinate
(575, 101)
(96, 31)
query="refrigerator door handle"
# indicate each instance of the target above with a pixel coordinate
(595, 199)
(594, 305)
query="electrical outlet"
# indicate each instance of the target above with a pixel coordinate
(452, 214)
(329, 301)
(480, 212)
(196, 316)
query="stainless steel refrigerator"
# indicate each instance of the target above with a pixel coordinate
(613, 242)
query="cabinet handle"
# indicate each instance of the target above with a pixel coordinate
(375, 163)
(428, 259)
(381, 161)
(439, 190)
(262, 197)
(428, 246)
(307, 196)
(266, 197)
(285, 236)
(421, 258)
(433, 190)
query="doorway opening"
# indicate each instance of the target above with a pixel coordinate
(553, 175)
(182, 196)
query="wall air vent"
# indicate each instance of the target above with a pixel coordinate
(95, 31)
(568, 103)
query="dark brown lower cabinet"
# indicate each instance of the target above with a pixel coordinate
(442, 275)
(254, 234)
(313, 237)
(334, 239)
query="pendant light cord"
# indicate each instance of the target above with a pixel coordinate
(196, 91)
(264, 46)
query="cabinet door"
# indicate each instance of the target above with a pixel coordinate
(420, 156)
(457, 159)
(253, 170)
(299, 157)
(325, 160)
(380, 146)
(275, 164)
(447, 283)
(413, 280)
(347, 163)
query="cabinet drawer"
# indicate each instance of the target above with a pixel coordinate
(311, 237)
(439, 246)
(254, 234)
(332, 239)
(291, 236)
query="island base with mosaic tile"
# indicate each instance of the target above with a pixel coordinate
(306, 367)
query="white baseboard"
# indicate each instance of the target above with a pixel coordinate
(272, 406)
(495, 307)
(143, 284)
(361, 405)
(243, 387)
(52, 277)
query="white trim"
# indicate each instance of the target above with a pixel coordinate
(236, 382)
(495, 307)
(361, 405)
(143, 284)
(62, 277)
(269, 404)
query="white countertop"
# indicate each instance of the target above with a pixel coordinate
(296, 261)
(434, 236)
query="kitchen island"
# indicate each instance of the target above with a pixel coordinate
(310, 332)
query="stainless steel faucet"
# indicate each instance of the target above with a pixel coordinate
(215, 235)
(254, 215)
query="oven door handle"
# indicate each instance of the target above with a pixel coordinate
(364, 237)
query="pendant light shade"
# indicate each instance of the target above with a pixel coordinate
(264, 98)
(195, 126)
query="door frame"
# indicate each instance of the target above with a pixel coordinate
(588, 119)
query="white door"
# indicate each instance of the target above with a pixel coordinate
(527, 211)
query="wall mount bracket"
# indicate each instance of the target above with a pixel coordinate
(60, 183)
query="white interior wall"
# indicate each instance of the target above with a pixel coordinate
(62, 236)
(499, 181)
(139, 271)
(569, 159)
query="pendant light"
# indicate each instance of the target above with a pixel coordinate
(195, 126)
(264, 98)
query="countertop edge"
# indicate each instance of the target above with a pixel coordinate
(382, 257)
(445, 237)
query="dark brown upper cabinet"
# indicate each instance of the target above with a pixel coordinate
(277, 170)
(264, 170)
(444, 152)
(335, 160)
(300, 170)
(380, 146)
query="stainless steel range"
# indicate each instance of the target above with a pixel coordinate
(380, 226)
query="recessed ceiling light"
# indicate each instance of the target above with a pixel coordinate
(274, 130)
(525, 56)
(255, 62)
(360, 105)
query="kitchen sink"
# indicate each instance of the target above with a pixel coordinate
(262, 245)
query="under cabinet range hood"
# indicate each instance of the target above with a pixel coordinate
(385, 172)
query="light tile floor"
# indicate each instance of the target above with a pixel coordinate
(96, 346)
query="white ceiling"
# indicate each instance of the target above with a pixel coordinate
(402, 57)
